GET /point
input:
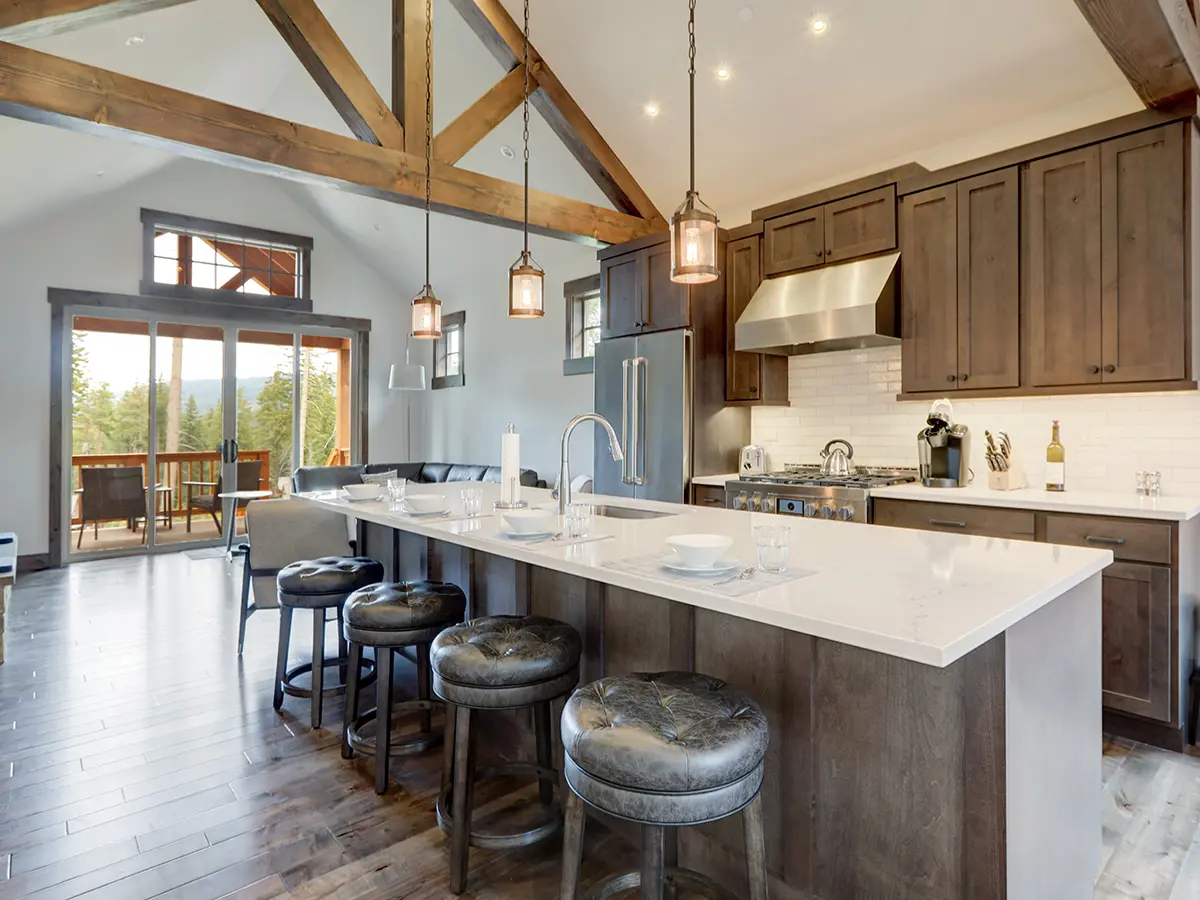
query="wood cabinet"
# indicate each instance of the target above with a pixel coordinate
(749, 377)
(664, 302)
(1015, 524)
(860, 225)
(637, 294)
(1136, 639)
(708, 495)
(620, 293)
(960, 285)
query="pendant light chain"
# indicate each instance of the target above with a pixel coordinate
(526, 134)
(428, 124)
(692, 91)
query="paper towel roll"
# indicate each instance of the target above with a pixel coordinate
(510, 466)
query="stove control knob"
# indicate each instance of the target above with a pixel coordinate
(739, 502)
(846, 513)
(827, 511)
(810, 510)
(768, 504)
(755, 504)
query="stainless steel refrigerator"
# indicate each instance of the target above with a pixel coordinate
(643, 386)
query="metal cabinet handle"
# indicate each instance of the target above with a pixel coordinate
(952, 378)
(710, 500)
(963, 377)
(1093, 370)
(946, 523)
(625, 364)
(1100, 539)
(1110, 369)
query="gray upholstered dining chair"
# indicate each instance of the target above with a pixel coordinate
(280, 533)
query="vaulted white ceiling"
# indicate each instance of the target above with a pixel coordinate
(926, 80)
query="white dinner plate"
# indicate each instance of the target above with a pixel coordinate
(536, 536)
(409, 511)
(672, 564)
(346, 496)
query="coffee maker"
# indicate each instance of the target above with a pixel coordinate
(944, 449)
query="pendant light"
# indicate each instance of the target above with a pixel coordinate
(426, 308)
(407, 377)
(694, 225)
(526, 279)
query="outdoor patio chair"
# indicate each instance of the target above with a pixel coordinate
(249, 478)
(115, 492)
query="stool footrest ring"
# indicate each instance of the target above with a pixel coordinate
(403, 744)
(682, 879)
(293, 690)
(488, 841)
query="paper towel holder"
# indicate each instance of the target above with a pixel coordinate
(512, 487)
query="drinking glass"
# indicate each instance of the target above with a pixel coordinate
(472, 501)
(396, 488)
(579, 519)
(772, 544)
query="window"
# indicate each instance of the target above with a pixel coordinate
(583, 324)
(448, 352)
(201, 259)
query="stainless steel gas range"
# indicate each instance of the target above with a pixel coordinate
(804, 491)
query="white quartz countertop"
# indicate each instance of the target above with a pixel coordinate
(714, 480)
(1097, 503)
(923, 596)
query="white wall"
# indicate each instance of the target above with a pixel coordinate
(97, 246)
(1108, 437)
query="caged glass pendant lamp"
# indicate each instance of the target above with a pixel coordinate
(694, 225)
(526, 279)
(426, 308)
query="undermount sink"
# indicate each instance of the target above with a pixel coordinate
(625, 512)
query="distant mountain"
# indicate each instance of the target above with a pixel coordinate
(207, 391)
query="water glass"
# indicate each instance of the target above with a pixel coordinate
(396, 488)
(472, 501)
(579, 519)
(772, 544)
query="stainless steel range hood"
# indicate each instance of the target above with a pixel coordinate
(841, 307)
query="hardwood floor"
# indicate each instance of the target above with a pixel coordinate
(139, 758)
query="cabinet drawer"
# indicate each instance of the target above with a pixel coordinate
(1014, 524)
(1138, 541)
(707, 495)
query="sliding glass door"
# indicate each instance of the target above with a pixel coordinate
(165, 415)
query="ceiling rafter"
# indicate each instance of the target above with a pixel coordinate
(306, 30)
(24, 20)
(408, 70)
(1154, 42)
(482, 116)
(40, 87)
(505, 39)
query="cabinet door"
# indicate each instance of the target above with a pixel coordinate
(1136, 624)
(620, 296)
(743, 274)
(1143, 249)
(929, 294)
(1062, 261)
(794, 242)
(989, 285)
(664, 303)
(861, 225)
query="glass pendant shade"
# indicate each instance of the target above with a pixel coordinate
(694, 243)
(426, 315)
(526, 297)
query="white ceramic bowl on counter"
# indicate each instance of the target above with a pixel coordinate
(425, 503)
(699, 551)
(363, 491)
(530, 521)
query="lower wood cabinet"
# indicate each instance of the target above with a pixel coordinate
(708, 495)
(1137, 639)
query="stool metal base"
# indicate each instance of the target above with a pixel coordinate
(287, 683)
(362, 731)
(675, 879)
(511, 840)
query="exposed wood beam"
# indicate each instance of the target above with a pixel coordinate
(496, 28)
(43, 88)
(482, 116)
(321, 51)
(408, 70)
(1154, 42)
(26, 20)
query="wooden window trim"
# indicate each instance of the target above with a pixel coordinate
(456, 320)
(573, 293)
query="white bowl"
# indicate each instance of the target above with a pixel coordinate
(699, 551)
(530, 521)
(425, 503)
(363, 491)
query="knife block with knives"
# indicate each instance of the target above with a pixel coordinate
(1004, 467)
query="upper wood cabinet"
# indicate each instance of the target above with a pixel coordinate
(960, 285)
(637, 294)
(664, 302)
(620, 292)
(749, 377)
(844, 229)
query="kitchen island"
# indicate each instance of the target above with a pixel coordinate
(934, 699)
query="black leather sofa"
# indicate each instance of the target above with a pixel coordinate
(327, 478)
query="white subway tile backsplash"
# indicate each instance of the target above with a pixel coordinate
(1108, 437)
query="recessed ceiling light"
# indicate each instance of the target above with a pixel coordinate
(375, 226)
(508, 152)
(650, 109)
(819, 25)
(135, 40)
(723, 73)
(745, 15)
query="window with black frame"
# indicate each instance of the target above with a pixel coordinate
(448, 352)
(582, 298)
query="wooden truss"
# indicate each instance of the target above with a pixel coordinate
(385, 157)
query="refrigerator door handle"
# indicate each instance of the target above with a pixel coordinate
(635, 448)
(625, 448)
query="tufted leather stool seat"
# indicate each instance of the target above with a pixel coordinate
(309, 583)
(388, 616)
(664, 749)
(501, 662)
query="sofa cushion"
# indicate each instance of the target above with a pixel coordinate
(325, 478)
(409, 470)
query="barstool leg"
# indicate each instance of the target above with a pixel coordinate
(464, 783)
(545, 758)
(652, 862)
(756, 848)
(285, 639)
(448, 747)
(575, 818)
(383, 716)
(318, 666)
(423, 678)
(351, 698)
(343, 644)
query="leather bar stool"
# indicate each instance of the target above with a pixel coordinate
(663, 750)
(499, 662)
(319, 585)
(387, 617)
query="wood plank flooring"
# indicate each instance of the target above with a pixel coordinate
(139, 758)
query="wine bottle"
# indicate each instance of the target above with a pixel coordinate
(1056, 463)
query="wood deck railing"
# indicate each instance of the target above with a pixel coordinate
(173, 470)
